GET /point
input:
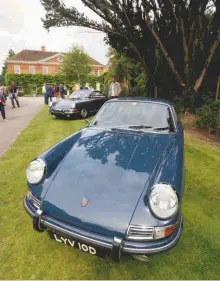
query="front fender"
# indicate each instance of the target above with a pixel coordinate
(169, 169)
(53, 158)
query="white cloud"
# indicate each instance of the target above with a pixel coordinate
(22, 28)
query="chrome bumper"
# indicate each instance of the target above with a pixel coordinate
(128, 247)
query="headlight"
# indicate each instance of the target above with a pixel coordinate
(35, 171)
(163, 201)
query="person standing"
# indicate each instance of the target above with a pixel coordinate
(56, 90)
(2, 104)
(13, 90)
(114, 88)
(62, 91)
(49, 93)
(44, 92)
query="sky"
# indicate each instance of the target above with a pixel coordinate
(21, 28)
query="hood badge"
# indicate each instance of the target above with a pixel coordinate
(84, 202)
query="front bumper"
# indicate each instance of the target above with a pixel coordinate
(63, 113)
(106, 242)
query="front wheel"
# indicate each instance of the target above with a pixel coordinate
(84, 113)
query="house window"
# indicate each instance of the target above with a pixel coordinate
(17, 69)
(96, 72)
(31, 69)
(45, 70)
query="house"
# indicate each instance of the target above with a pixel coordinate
(43, 62)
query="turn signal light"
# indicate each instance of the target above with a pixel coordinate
(162, 232)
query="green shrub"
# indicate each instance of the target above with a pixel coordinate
(207, 116)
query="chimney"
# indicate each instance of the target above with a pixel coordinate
(43, 49)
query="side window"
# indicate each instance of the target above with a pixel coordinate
(97, 94)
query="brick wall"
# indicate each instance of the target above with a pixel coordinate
(52, 69)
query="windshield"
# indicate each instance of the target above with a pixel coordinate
(80, 94)
(140, 115)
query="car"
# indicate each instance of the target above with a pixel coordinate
(81, 103)
(114, 187)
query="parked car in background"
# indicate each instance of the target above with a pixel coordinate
(80, 103)
(115, 187)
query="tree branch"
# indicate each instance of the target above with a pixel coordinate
(207, 63)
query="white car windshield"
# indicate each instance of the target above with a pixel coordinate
(80, 94)
(134, 114)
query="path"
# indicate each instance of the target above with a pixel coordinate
(18, 119)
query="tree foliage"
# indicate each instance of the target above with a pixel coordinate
(166, 36)
(11, 53)
(75, 65)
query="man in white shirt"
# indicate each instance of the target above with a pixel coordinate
(44, 92)
(114, 88)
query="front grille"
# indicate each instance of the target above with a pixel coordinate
(139, 232)
(35, 201)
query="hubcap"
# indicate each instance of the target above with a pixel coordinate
(84, 113)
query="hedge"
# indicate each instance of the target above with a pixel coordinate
(37, 80)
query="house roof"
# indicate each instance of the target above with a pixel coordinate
(32, 55)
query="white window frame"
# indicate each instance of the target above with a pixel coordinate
(17, 69)
(33, 68)
(96, 72)
(45, 68)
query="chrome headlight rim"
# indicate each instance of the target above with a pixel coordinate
(170, 188)
(43, 167)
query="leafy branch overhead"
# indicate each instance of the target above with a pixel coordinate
(170, 32)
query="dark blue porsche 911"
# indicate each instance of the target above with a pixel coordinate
(115, 187)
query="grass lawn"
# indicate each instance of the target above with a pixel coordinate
(26, 254)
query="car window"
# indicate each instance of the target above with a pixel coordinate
(80, 94)
(126, 113)
(97, 94)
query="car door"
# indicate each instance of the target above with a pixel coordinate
(98, 99)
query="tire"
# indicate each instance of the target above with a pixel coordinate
(84, 113)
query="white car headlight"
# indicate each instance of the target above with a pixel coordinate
(35, 171)
(163, 201)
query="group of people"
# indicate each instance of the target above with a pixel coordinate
(13, 95)
(49, 91)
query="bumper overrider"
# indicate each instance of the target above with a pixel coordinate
(116, 246)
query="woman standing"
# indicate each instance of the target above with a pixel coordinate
(13, 90)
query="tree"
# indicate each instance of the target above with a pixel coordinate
(75, 66)
(174, 32)
(11, 53)
(171, 32)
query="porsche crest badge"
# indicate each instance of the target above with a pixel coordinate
(84, 202)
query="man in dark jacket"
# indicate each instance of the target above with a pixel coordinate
(14, 95)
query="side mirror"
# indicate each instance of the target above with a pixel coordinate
(87, 122)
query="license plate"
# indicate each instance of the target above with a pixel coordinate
(79, 245)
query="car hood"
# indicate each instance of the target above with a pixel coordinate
(108, 168)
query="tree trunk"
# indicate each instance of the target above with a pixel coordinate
(168, 58)
(211, 54)
(155, 91)
(218, 125)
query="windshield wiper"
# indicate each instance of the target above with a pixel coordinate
(139, 127)
(161, 129)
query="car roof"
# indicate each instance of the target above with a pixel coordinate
(143, 99)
